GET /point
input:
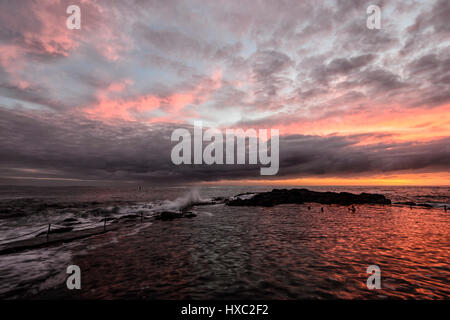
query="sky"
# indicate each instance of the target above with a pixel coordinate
(354, 106)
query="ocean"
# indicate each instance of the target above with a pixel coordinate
(280, 252)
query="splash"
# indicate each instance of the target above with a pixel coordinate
(185, 202)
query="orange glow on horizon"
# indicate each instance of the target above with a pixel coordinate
(397, 179)
(417, 124)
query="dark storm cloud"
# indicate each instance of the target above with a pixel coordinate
(432, 68)
(82, 147)
(35, 145)
(340, 155)
(35, 95)
(341, 66)
(380, 80)
(344, 65)
(432, 72)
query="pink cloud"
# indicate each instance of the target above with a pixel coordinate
(133, 109)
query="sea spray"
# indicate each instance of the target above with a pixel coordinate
(184, 202)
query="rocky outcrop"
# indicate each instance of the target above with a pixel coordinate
(171, 215)
(406, 203)
(299, 196)
(413, 204)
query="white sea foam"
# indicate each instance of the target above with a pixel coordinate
(182, 203)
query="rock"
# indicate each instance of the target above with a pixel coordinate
(425, 205)
(300, 196)
(169, 215)
(407, 203)
(128, 218)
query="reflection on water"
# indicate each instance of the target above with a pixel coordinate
(286, 252)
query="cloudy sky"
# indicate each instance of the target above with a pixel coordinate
(98, 105)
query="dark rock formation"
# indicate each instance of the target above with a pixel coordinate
(406, 203)
(127, 218)
(410, 203)
(299, 196)
(425, 205)
(171, 215)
